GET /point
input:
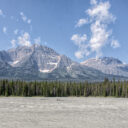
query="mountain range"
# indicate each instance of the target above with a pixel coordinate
(108, 65)
(37, 62)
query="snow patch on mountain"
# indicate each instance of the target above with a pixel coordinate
(44, 71)
(12, 63)
(41, 62)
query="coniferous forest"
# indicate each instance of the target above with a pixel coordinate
(63, 89)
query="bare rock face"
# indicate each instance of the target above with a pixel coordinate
(40, 62)
(108, 65)
(45, 58)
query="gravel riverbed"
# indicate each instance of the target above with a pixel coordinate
(65, 112)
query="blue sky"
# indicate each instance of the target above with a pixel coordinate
(58, 24)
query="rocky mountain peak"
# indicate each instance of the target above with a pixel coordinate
(110, 60)
(41, 62)
(108, 65)
(103, 60)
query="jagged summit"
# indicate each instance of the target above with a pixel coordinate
(31, 48)
(104, 60)
(41, 62)
(108, 65)
(110, 60)
(45, 58)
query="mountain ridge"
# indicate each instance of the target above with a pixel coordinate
(43, 63)
(108, 65)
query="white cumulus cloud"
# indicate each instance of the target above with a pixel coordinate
(115, 44)
(81, 22)
(99, 17)
(25, 18)
(37, 40)
(93, 2)
(101, 12)
(4, 30)
(13, 42)
(79, 54)
(1, 12)
(16, 31)
(24, 40)
(79, 41)
(98, 38)
(29, 21)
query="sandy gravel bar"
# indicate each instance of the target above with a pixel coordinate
(68, 112)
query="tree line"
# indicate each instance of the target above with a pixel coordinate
(63, 89)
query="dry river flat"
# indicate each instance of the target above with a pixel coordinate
(65, 112)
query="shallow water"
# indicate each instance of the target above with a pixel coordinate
(71, 112)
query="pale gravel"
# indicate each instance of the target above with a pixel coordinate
(68, 112)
